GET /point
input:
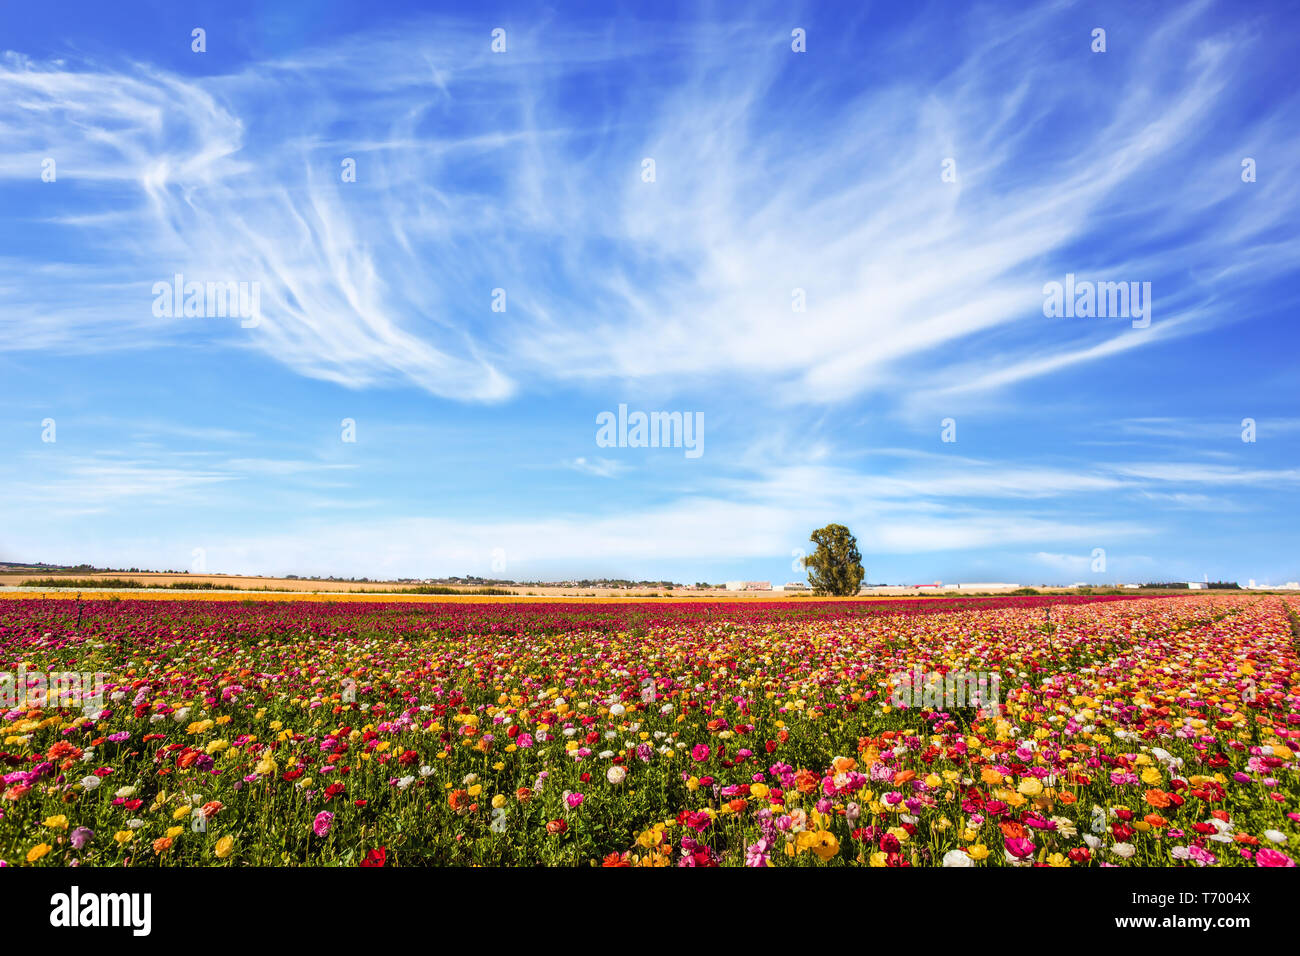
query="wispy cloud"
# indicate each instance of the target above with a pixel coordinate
(389, 279)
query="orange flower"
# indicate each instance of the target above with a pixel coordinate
(737, 805)
(805, 781)
(615, 859)
(162, 845)
(524, 794)
(1066, 797)
(1156, 820)
(1012, 830)
(903, 776)
(1157, 798)
(458, 800)
(844, 764)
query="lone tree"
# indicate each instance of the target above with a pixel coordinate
(836, 566)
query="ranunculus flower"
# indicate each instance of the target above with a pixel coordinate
(321, 825)
(1270, 857)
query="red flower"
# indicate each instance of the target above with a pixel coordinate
(376, 857)
(557, 826)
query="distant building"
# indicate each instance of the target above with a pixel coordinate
(1196, 585)
(987, 586)
(735, 585)
(749, 585)
(796, 586)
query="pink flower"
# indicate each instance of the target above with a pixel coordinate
(1269, 857)
(1020, 847)
(324, 820)
(700, 753)
(574, 800)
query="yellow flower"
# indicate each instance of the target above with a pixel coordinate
(879, 859)
(224, 847)
(266, 765)
(977, 852)
(123, 836)
(38, 851)
(1057, 860)
(1030, 786)
(59, 822)
(174, 832)
(758, 790)
(499, 801)
(475, 790)
(181, 812)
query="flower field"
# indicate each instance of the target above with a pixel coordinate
(1128, 731)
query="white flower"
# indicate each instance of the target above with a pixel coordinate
(425, 770)
(123, 792)
(1180, 853)
(618, 710)
(1092, 841)
(91, 782)
(135, 824)
(470, 779)
(605, 754)
(957, 858)
(615, 774)
(1277, 836)
(666, 709)
(405, 782)
(1123, 850)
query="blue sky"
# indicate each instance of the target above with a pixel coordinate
(774, 171)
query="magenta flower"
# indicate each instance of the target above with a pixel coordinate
(1019, 847)
(700, 753)
(574, 800)
(324, 820)
(1270, 857)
